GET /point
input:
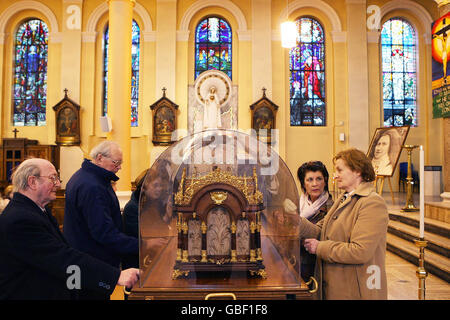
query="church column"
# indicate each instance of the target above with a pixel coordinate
(261, 43)
(119, 82)
(358, 91)
(444, 8)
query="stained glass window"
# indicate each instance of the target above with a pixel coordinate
(213, 46)
(398, 52)
(135, 54)
(307, 75)
(30, 74)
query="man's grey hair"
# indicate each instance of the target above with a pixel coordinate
(25, 170)
(103, 148)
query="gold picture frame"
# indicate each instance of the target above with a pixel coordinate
(164, 115)
(263, 114)
(67, 117)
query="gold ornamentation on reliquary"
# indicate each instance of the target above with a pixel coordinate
(226, 210)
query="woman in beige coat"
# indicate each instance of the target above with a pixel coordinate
(350, 242)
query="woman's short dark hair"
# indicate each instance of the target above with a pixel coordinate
(357, 161)
(313, 166)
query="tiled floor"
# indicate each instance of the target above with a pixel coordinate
(403, 283)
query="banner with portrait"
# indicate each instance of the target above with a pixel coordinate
(440, 47)
(385, 148)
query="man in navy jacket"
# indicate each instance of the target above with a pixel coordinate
(92, 218)
(36, 261)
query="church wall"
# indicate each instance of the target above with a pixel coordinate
(296, 144)
(279, 86)
(340, 93)
(261, 33)
(87, 88)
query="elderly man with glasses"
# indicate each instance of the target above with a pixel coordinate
(36, 260)
(92, 218)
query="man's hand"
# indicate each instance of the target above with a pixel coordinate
(311, 245)
(128, 277)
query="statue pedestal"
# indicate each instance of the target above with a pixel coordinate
(445, 196)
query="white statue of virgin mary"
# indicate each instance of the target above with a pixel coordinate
(212, 102)
(211, 110)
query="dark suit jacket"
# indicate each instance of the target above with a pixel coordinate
(92, 219)
(34, 257)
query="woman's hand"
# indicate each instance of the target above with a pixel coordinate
(311, 245)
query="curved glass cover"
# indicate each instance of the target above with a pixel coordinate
(219, 208)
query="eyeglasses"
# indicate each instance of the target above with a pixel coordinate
(117, 163)
(55, 179)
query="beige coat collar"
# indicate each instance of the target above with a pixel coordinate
(363, 190)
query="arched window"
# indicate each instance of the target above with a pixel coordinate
(30, 75)
(213, 46)
(135, 54)
(307, 75)
(398, 55)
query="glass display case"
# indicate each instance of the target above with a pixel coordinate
(218, 214)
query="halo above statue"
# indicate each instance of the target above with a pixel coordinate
(213, 78)
(225, 102)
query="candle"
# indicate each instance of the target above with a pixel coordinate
(422, 194)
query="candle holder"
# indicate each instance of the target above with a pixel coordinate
(409, 206)
(421, 272)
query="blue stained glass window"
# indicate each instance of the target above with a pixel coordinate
(30, 75)
(213, 46)
(307, 75)
(135, 54)
(398, 55)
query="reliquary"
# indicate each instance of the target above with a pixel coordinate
(218, 224)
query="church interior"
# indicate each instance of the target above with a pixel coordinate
(77, 72)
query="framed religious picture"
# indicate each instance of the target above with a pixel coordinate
(440, 66)
(67, 122)
(263, 118)
(385, 148)
(164, 115)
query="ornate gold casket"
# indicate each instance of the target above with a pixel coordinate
(213, 220)
(218, 224)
